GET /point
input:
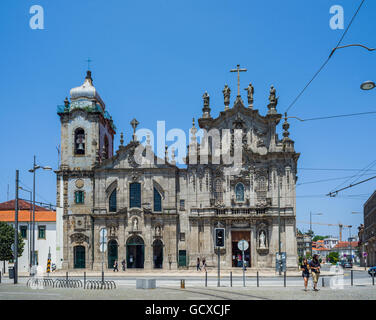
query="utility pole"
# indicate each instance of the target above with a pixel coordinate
(279, 230)
(15, 252)
(8, 193)
(33, 223)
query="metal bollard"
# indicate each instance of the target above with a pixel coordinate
(85, 279)
(182, 284)
(66, 276)
(373, 278)
(258, 283)
(0, 276)
(352, 277)
(102, 276)
(206, 278)
(323, 282)
(284, 279)
(230, 278)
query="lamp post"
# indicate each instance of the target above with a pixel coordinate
(31, 210)
(33, 170)
(310, 225)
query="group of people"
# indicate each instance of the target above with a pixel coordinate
(314, 268)
(198, 265)
(116, 266)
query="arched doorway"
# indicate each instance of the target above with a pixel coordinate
(158, 254)
(135, 252)
(79, 257)
(112, 253)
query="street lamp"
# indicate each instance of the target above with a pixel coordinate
(33, 170)
(367, 85)
(31, 193)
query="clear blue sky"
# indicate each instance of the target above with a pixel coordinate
(154, 59)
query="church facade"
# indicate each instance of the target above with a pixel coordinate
(132, 206)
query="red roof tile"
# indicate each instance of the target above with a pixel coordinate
(22, 205)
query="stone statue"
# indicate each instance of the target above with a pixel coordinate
(158, 231)
(262, 240)
(250, 91)
(226, 95)
(135, 224)
(272, 97)
(206, 99)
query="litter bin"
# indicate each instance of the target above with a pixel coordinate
(11, 272)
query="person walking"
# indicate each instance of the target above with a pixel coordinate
(305, 272)
(315, 268)
(204, 263)
(123, 264)
(116, 266)
(198, 264)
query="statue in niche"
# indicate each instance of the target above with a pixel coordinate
(158, 231)
(262, 240)
(135, 224)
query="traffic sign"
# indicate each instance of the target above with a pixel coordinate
(243, 245)
(364, 254)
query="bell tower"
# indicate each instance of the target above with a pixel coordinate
(87, 129)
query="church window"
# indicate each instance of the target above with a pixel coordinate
(218, 193)
(182, 204)
(106, 147)
(239, 191)
(157, 201)
(79, 197)
(135, 195)
(79, 141)
(112, 201)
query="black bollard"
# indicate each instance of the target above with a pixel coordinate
(230, 278)
(0, 276)
(352, 277)
(373, 278)
(284, 279)
(102, 276)
(323, 282)
(258, 283)
(66, 276)
(85, 279)
(206, 278)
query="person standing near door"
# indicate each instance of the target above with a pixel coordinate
(198, 264)
(116, 266)
(123, 264)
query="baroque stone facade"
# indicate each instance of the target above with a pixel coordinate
(157, 215)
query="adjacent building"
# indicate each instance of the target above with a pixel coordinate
(369, 232)
(44, 233)
(153, 214)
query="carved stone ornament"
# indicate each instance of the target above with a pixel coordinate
(79, 183)
(79, 238)
(131, 159)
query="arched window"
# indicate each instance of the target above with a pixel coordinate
(112, 201)
(218, 193)
(239, 191)
(79, 141)
(262, 184)
(157, 201)
(106, 147)
(135, 195)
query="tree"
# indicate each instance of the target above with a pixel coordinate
(6, 241)
(333, 257)
(316, 238)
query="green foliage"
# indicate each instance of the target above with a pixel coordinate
(6, 241)
(333, 257)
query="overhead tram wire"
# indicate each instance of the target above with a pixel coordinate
(326, 61)
(335, 116)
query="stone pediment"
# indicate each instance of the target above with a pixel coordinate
(134, 156)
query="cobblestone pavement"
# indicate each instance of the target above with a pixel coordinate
(20, 291)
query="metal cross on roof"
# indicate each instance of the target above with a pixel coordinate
(88, 63)
(238, 70)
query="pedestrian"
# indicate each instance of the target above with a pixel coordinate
(198, 264)
(123, 264)
(305, 272)
(315, 268)
(204, 263)
(116, 266)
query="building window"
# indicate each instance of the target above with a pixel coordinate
(112, 201)
(239, 191)
(182, 205)
(218, 193)
(23, 230)
(157, 201)
(79, 141)
(79, 197)
(41, 232)
(182, 236)
(135, 195)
